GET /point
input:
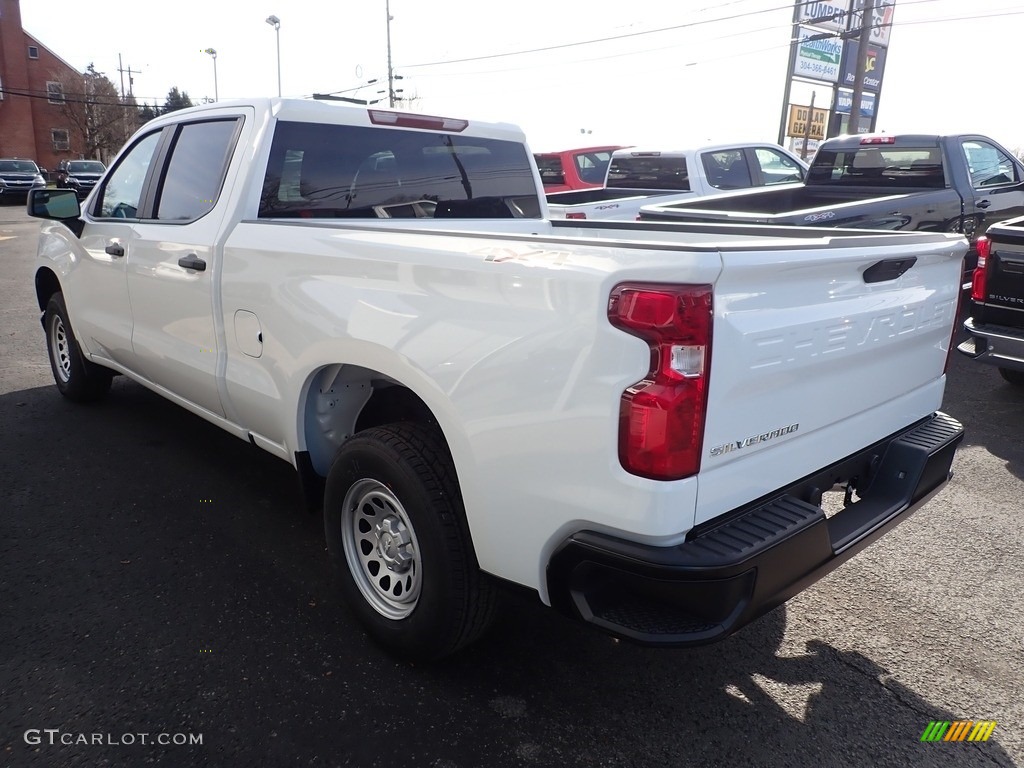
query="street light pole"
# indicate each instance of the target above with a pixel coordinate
(213, 53)
(276, 24)
(391, 72)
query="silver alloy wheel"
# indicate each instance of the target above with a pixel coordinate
(60, 346)
(381, 550)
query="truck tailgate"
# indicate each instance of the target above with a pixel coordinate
(817, 353)
(1003, 300)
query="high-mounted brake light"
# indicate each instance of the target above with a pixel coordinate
(576, 215)
(661, 417)
(878, 140)
(980, 278)
(409, 120)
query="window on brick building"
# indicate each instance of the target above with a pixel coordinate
(33, 52)
(55, 92)
(60, 138)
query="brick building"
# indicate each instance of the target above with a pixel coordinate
(32, 119)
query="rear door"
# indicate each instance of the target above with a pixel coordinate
(174, 270)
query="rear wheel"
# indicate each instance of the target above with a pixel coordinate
(1012, 376)
(397, 534)
(76, 378)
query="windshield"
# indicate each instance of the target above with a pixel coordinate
(86, 166)
(18, 166)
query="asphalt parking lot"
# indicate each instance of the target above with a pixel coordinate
(160, 577)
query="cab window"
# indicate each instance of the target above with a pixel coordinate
(988, 166)
(195, 173)
(122, 191)
(776, 168)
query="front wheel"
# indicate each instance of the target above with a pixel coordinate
(397, 534)
(76, 378)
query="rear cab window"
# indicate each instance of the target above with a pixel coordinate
(317, 170)
(883, 166)
(649, 172)
(551, 170)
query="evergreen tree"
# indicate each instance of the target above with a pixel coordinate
(176, 100)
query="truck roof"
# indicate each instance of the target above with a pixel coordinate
(598, 148)
(895, 139)
(314, 111)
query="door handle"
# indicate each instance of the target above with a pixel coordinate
(115, 249)
(192, 262)
(983, 204)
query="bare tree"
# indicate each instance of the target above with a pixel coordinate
(98, 123)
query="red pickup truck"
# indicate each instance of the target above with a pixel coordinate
(574, 168)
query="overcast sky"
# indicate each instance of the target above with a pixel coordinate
(715, 72)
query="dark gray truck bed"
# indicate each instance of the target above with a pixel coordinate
(957, 183)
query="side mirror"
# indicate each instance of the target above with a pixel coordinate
(57, 205)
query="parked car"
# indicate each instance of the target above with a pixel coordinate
(79, 175)
(996, 325)
(959, 183)
(637, 176)
(574, 168)
(18, 176)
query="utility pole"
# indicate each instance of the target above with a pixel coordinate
(793, 43)
(130, 71)
(807, 128)
(391, 72)
(867, 19)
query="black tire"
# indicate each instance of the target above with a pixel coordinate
(1013, 377)
(410, 576)
(76, 378)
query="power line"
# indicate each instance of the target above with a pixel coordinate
(688, 25)
(65, 99)
(788, 25)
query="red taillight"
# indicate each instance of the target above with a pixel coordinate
(661, 418)
(979, 279)
(410, 120)
(575, 215)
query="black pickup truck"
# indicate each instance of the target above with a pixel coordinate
(959, 183)
(996, 324)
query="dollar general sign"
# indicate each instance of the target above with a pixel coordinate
(798, 122)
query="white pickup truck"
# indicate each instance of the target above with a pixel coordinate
(638, 421)
(636, 175)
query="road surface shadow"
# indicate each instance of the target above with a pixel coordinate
(161, 576)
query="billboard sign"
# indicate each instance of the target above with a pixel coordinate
(828, 15)
(798, 121)
(844, 101)
(881, 23)
(874, 67)
(818, 56)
